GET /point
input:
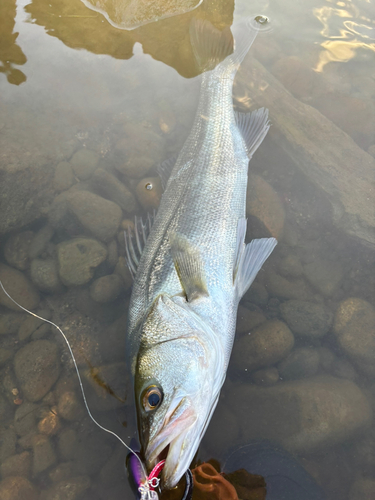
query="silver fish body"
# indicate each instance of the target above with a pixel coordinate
(194, 269)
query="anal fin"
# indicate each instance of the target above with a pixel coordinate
(253, 127)
(189, 267)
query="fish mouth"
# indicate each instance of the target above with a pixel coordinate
(174, 443)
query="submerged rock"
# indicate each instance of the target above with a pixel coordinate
(99, 216)
(19, 288)
(17, 465)
(44, 274)
(301, 362)
(40, 241)
(10, 323)
(43, 454)
(64, 177)
(354, 328)
(278, 286)
(266, 345)
(17, 488)
(306, 319)
(324, 275)
(68, 489)
(37, 368)
(84, 163)
(107, 288)
(16, 250)
(78, 259)
(266, 376)
(115, 190)
(303, 415)
(248, 319)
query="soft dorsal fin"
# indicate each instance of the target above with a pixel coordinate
(189, 267)
(253, 127)
(249, 258)
(136, 241)
(165, 169)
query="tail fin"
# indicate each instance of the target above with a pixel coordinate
(224, 49)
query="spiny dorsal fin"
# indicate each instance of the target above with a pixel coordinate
(136, 241)
(210, 46)
(253, 127)
(165, 169)
(189, 267)
(249, 258)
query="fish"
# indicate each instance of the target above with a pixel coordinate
(191, 262)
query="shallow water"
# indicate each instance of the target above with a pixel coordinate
(71, 83)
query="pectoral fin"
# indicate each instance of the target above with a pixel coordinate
(249, 258)
(189, 267)
(253, 127)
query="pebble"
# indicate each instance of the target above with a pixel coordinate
(263, 203)
(19, 288)
(112, 258)
(324, 275)
(6, 411)
(69, 407)
(247, 319)
(10, 323)
(256, 294)
(17, 465)
(64, 177)
(25, 418)
(107, 288)
(303, 415)
(290, 266)
(99, 216)
(78, 259)
(267, 344)
(16, 250)
(67, 442)
(84, 163)
(44, 455)
(40, 241)
(115, 190)
(122, 270)
(301, 362)
(37, 367)
(278, 286)
(342, 368)
(149, 192)
(17, 488)
(5, 356)
(266, 376)
(61, 472)
(306, 319)
(137, 153)
(45, 276)
(354, 327)
(50, 423)
(326, 358)
(68, 489)
(31, 324)
(8, 441)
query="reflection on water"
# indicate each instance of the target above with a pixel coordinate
(80, 140)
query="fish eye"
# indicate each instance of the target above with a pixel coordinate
(152, 398)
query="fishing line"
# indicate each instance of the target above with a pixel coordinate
(78, 375)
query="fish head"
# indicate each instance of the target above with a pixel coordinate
(176, 387)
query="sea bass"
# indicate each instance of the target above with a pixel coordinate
(195, 266)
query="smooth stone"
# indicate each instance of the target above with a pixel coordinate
(69, 407)
(40, 241)
(6, 411)
(304, 415)
(25, 418)
(248, 319)
(5, 356)
(107, 288)
(362, 489)
(256, 294)
(290, 266)
(31, 324)
(122, 269)
(8, 441)
(78, 259)
(342, 368)
(354, 327)
(37, 367)
(263, 203)
(19, 288)
(301, 362)
(112, 258)
(67, 443)
(17, 465)
(61, 472)
(10, 323)
(84, 163)
(149, 192)
(50, 423)
(68, 489)
(327, 357)
(17, 488)
(267, 344)
(324, 275)
(44, 455)
(266, 376)
(64, 177)
(306, 319)
(99, 216)
(16, 250)
(136, 154)
(115, 190)
(45, 276)
(278, 286)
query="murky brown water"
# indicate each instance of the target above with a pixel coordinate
(86, 113)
